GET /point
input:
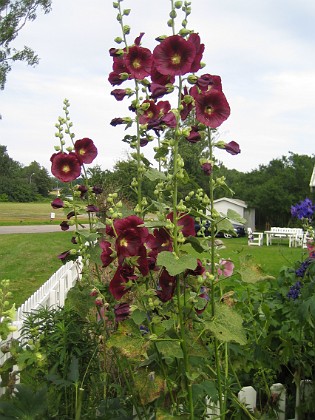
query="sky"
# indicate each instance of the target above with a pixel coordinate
(264, 51)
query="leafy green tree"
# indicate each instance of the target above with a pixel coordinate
(38, 177)
(8, 166)
(13, 16)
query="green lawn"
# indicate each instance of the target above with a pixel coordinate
(28, 260)
(28, 214)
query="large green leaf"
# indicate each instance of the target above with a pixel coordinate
(227, 325)
(250, 272)
(170, 349)
(176, 265)
(153, 175)
(236, 217)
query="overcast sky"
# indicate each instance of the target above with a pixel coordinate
(264, 51)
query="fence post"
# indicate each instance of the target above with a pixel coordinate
(278, 392)
(248, 396)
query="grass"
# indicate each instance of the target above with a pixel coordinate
(12, 214)
(270, 258)
(28, 260)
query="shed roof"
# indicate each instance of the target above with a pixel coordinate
(235, 201)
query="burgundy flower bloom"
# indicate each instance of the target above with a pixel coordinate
(207, 81)
(174, 56)
(157, 91)
(150, 114)
(119, 94)
(138, 39)
(85, 150)
(90, 208)
(143, 142)
(232, 147)
(161, 79)
(74, 240)
(66, 256)
(207, 168)
(212, 108)
(70, 214)
(198, 271)
(64, 225)
(97, 190)
(117, 121)
(187, 107)
(119, 64)
(204, 296)
(130, 236)
(169, 119)
(138, 62)
(83, 190)
(194, 135)
(186, 222)
(57, 203)
(122, 276)
(195, 40)
(65, 166)
(160, 240)
(115, 79)
(167, 286)
(121, 311)
(106, 255)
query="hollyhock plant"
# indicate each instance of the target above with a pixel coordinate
(86, 150)
(212, 108)
(232, 147)
(57, 203)
(138, 62)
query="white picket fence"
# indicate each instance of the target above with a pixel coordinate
(51, 294)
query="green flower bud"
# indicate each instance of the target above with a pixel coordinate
(118, 40)
(126, 29)
(126, 12)
(173, 14)
(178, 4)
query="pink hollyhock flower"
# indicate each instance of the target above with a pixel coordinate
(174, 56)
(232, 147)
(85, 150)
(138, 62)
(107, 252)
(186, 223)
(65, 166)
(57, 203)
(212, 108)
(195, 40)
(225, 268)
(167, 285)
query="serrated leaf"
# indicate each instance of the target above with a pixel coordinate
(224, 225)
(176, 265)
(250, 272)
(138, 316)
(148, 385)
(128, 340)
(153, 174)
(227, 325)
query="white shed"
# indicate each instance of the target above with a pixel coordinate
(223, 204)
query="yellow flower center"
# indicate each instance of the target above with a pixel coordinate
(136, 64)
(82, 152)
(66, 168)
(123, 242)
(176, 59)
(208, 110)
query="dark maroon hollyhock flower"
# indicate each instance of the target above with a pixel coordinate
(115, 79)
(143, 142)
(90, 208)
(142, 261)
(70, 214)
(163, 107)
(167, 286)
(198, 271)
(66, 256)
(121, 311)
(74, 240)
(85, 150)
(170, 120)
(119, 94)
(64, 225)
(161, 79)
(138, 39)
(194, 135)
(117, 121)
(97, 190)
(157, 91)
(150, 114)
(119, 65)
(212, 108)
(186, 222)
(57, 203)
(207, 168)
(195, 40)
(65, 166)
(232, 147)
(110, 231)
(83, 190)
(113, 52)
(174, 56)
(106, 255)
(130, 235)
(160, 240)
(187, 107)
(207, 81)
(122, 275)
(138, 62)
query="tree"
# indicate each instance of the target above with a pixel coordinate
(13, 17)
(8, 166)
(38, 176)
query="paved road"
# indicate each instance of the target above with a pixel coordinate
(31, 229)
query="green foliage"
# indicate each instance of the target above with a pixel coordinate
(13, 16)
